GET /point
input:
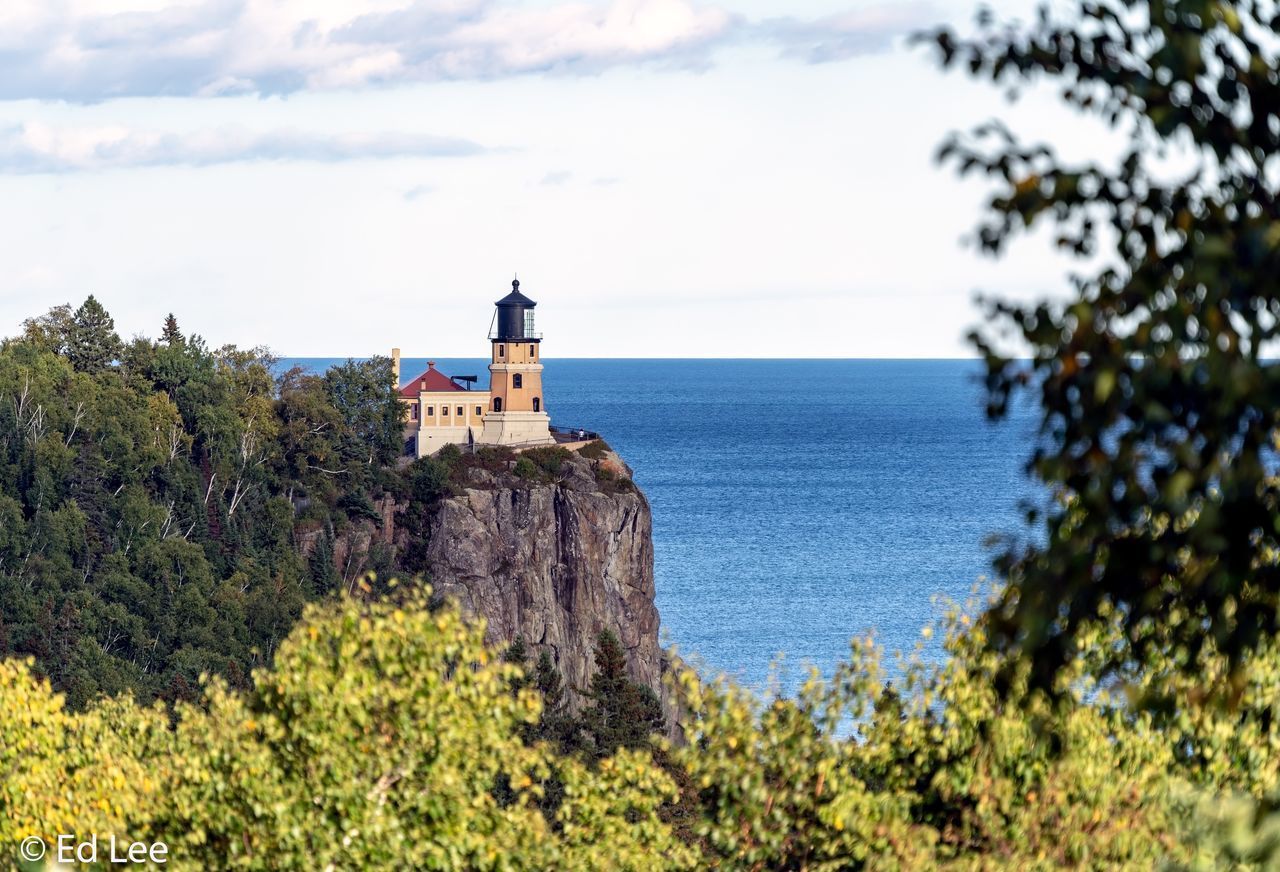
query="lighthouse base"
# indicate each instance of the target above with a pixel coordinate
(517, 428)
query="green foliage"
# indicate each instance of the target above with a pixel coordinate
(147, 503)
(322, 575)
(622, 713)
(942, 772)
(1231, 832)
(542, 465)
(494, 454)
(430, 479)
(170, 335)
(1158, 408)
(386, 734)
(51, 331)
(550, 459)
(361, 393)
(377, 740)
(91, 343)
(595, 450)
(526, 469)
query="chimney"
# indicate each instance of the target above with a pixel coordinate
(395, 367)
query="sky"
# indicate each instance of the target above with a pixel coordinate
(669, 178)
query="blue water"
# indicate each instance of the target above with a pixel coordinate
(798, 503)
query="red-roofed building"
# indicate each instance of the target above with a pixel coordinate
(432, 381)
(439, 411)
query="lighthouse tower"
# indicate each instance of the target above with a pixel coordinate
(517, 414)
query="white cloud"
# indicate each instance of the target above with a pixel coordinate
(90, 50)
(417, 192)
(39, 148)
(840, 37)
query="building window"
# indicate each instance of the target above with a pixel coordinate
(413, 411)
(459, 411)
(431, 411)
(537, 404)
(502, 350)
(497, 404)
(444, 411)
(479, 411)
(517, 381)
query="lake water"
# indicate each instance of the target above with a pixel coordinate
(798, 503)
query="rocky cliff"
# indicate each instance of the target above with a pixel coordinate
(554, 560)
(553, 548)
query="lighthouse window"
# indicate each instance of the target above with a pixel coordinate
(502, 350)
(517, 381)
(528, 323)
(533, 350)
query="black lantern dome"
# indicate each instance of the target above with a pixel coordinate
(515, 316)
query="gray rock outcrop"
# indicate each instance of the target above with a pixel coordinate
(553, 559)
(554, 563)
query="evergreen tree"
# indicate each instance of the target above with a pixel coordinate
(556, 725)
(320, 567)
(517, 652)
(171, 335)
(623, 713)
(93, 344)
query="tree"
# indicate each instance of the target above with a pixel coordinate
(376, 740)
(51, 331)
(323, 575)
(147, 520)
(1158, 411)
(387, 735)
(622, 713)
(92, 345)
(171, 335)
(363, 394)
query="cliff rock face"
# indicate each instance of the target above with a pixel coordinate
(554, 562)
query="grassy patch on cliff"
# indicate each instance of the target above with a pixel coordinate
(595, 450)
(542, 464)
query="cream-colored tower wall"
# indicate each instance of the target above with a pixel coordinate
(517, 428)
(515, 352)
(515, 377)
(519, 385)
(517, 411)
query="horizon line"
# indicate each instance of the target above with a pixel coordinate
(570, 357)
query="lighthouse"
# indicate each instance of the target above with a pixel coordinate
(517, 414)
